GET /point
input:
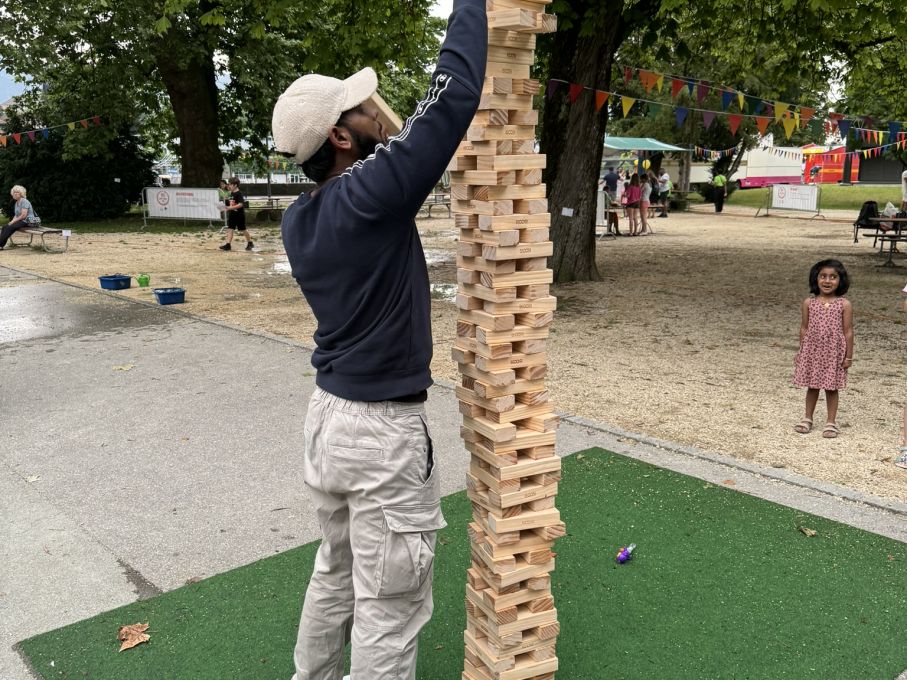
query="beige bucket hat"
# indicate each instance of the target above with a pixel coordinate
(306, 111)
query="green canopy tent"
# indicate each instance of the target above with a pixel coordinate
(650, 144)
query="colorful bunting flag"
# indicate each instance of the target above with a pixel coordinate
(733, 121)
(2, 140)
(843, 127)
(97, 120)
(676, 86)
(707, 118)
(660, 83)
(681, 115)
(702, 91)
(726, 97)
(31, 135)
(628, 75)
(575, 92)
(627, 103)
(552, 88)
(780, 110)
(789, 125)
(600, 98)
(741, 100)
(762, 123)
(17, 138)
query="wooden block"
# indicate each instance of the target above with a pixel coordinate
(493, 322)
(511, 162)
(505, 239)
(489, 390)
(483, 207)
(521, 251)
(518, 306)
(529, 206)
(496, 116)
(530, 176)
(517, 278)
(489, 294)
(488, 351)
(532, 5)
(501, 38)
(529, 492)
(469, 249)
(515, 334)
(506, 70)
(529, 372)
(468, 276)
(552, 532)
(501, 222)
(496, 432)
(485, 177)
(531, 264)
(466, 329)
(537, 519)
(481, 133)
(470, 410)
(494, 85)
(532, 292)
(461, 357)
(511, 55)
(466, 221)
(489, 148)
(458, 163)
(535, 319)
(523, 118)
(529, 346)
(547, 423)
(499, 379)
(514, 361)
(522, 147)
(528, 86)
(469, 302)
(496, 405)
(533, 398)
(388, 119)
(516, 191)
(521, 412)
(516, 19)
(511, 102)
(480, 264)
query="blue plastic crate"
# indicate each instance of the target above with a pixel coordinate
(170, 296)
(115, 281)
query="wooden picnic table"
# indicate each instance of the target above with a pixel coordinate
(435, 200)
(891, 236)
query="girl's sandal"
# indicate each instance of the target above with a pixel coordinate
(831, 431)
(901, 461)
(805, 426)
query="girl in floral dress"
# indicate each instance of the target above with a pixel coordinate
(826, 343)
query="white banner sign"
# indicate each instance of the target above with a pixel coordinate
(180, 202)
(803, 197)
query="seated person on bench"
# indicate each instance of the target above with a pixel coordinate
(23, 215)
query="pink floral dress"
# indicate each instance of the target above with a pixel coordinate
(823, 350)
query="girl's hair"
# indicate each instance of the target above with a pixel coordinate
(19, 189)
(634, 180)
(844, 279)
(643, 178)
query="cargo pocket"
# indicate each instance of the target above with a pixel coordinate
(409, 547)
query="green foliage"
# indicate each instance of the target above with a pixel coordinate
(82, 187)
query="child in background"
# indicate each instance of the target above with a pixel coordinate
(826, 343)
(236, 215)
(633, 194)
(645, 193)
(901, 460)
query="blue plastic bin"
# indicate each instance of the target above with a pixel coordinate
(115, 281)
(170, 296)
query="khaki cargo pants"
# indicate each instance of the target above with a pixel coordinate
(370, 470)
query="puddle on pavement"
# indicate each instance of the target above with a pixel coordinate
(443, 291)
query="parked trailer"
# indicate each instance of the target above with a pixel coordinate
(765, 167)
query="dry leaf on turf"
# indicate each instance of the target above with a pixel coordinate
(125, 367)
(133, 635)
(806, 531)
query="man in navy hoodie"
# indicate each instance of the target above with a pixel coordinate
(355, 253)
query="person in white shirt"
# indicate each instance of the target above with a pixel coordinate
(904, 190)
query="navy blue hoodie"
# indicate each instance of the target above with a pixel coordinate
(353, 245)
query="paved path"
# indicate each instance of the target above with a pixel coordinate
(142, 447)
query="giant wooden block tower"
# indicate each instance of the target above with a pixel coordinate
(504, 313)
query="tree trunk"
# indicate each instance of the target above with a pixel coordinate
(573, 138)
(192, 89)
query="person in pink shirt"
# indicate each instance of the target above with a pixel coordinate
(634, 197)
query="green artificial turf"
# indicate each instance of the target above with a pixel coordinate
(722, 585)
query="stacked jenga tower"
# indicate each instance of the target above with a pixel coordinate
(505, 310)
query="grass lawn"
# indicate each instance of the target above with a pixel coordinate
(722, 585)
(833, 196)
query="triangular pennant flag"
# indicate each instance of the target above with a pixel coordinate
(844, 127)
(835, 116)
(867, 121)
(741, 100)
(681, 115)
(726, 97)
(780, 109)
(660, 83)
(789, 125)
(627, 103)
(71, 126)
(806, 114)
(733, 121)
(600, 98)
(96, 120)
(31, 135)
(702, 91)
(707, 118)
(758, 105)
(769, 109)
(647, 78)
(551, 89)
(676, 86)
(46, 133)
(691, 85)
(575, 92)
(894, 130)
(17, 138)
(628, 75)
(654, 110)
(84, 123)
(762, 123)
(2, 140)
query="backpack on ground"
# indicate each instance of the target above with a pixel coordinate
(868, 210)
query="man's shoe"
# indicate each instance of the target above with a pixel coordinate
(663, 215)
(226, 246)
(249, 245)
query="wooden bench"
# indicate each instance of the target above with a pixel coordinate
(42, 232)
(435, 200)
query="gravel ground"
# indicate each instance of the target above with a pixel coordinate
(689, 337)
